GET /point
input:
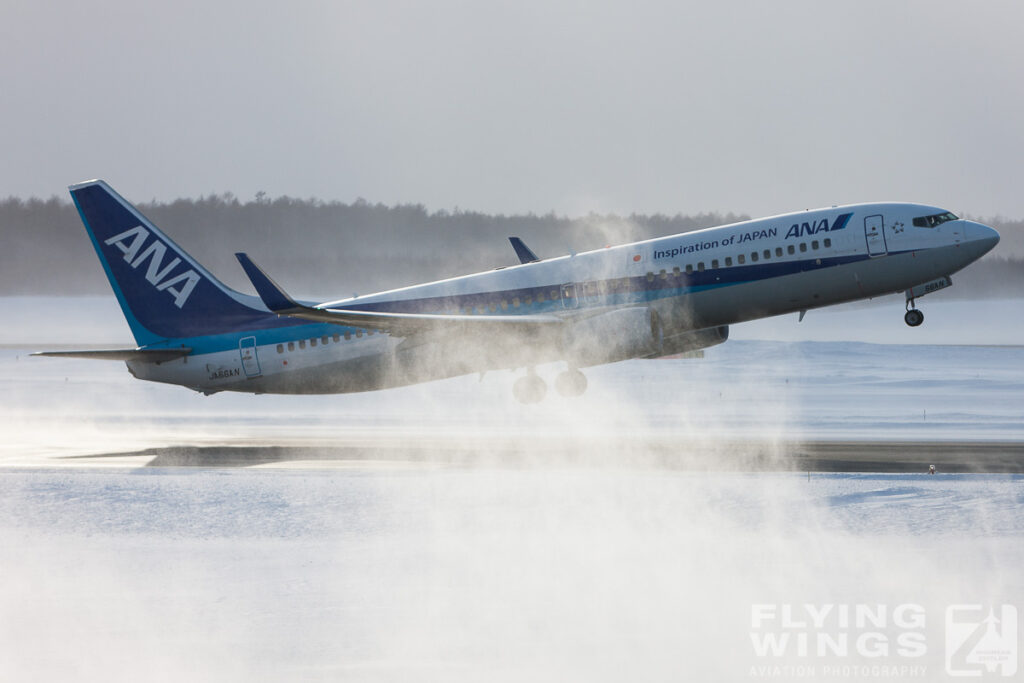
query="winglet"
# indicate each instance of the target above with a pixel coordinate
(522, 251)
(270, 292)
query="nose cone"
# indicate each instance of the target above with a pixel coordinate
(982, 236)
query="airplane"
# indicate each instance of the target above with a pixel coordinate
(646, 299)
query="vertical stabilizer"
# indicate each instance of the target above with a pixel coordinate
(164, 293)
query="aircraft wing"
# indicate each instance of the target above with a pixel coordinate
(148, 355)
(524, 253)
(402, 324)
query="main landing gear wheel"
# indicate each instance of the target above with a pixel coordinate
(913, 317)
(571, 383)
(529, 389)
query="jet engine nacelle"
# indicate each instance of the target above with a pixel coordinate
(692, 341)
(617, 335)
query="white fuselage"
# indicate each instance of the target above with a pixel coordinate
(693, 281)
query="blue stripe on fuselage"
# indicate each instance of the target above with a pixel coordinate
(635, 288)
(612, 292)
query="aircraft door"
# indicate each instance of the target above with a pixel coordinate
(250, 359)
(570, 298)
(874, 233)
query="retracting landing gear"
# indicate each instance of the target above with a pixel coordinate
(572, 382)
(532, 389)
(529, 389)
(913, 317)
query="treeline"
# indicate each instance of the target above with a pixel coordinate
(322, 249)
(314, 248)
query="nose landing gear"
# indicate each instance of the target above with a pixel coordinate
(913, 317)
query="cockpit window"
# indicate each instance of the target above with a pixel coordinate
(932, 221)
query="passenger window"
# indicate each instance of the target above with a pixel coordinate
(814, 244)
(504, 304)
(554, 295)
(791, 249)
(803, 247)
(689, 269)
(714, 263)
(337, 337)
(540, 297)
(348, 335)
(291, 346)
(312, 342)
(753, 257)
(323, 340)
(280, 348)
(778, 251)
(359, 333)
(767, 254)
(529, 300)
(828, 242)
(675, 271)
(515, 302)
(742, 259)
(302, 343)
(650, 277)
(700, 266)
(662, 274)
(728, 261)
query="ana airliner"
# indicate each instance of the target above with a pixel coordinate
(642, 300)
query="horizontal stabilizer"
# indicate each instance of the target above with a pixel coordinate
(146, 355)
(403, 324)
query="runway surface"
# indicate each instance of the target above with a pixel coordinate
(811, 456)
(445, 533)
(747, 405)
(469, 574)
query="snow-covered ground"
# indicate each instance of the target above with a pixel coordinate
(546, 570)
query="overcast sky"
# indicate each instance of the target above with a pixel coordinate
(757, 107)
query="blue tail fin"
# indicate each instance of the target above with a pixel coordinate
(164, 292)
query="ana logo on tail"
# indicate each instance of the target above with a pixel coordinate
(131, 243)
